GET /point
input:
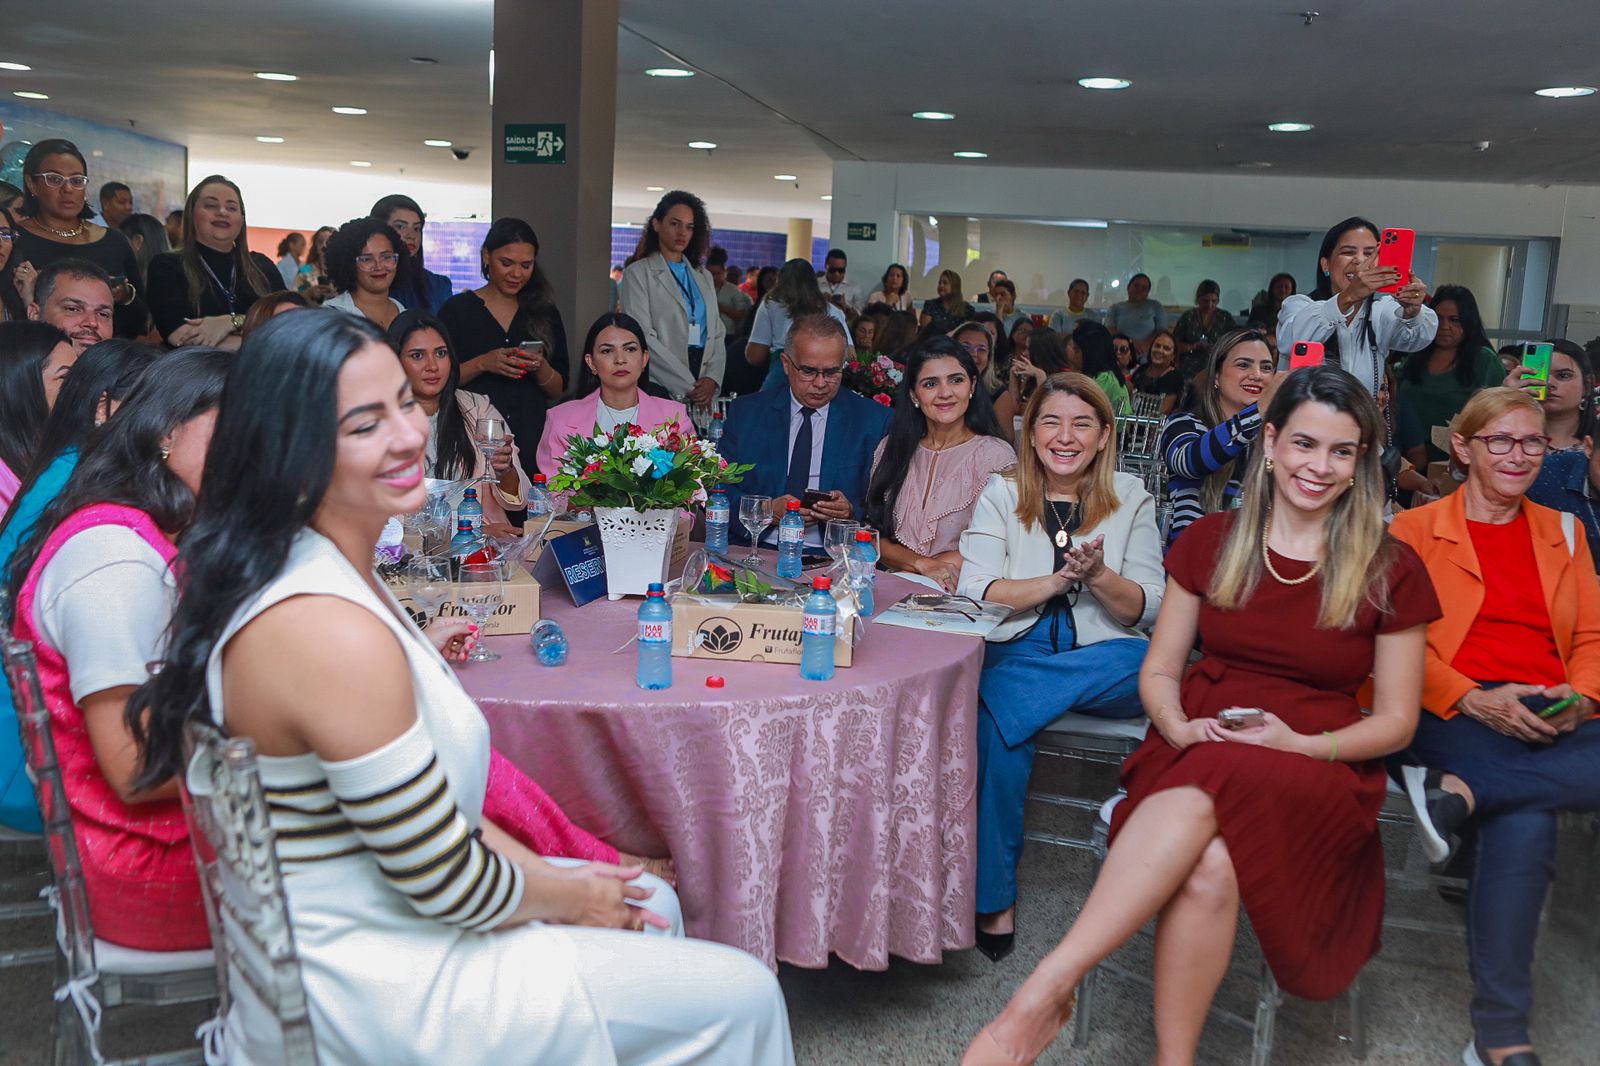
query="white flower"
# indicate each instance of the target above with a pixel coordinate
(642, 465)
(642, 442)
(601, 440)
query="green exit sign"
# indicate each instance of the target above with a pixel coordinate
(536, 142)
(861, 231)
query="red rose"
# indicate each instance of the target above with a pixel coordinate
(883, 398)
(592, 468)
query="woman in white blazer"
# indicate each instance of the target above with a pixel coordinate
(1071, 546)
(672, 296)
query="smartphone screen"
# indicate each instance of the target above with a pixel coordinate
(812, 497)
(1536, 357)
(1306, 353)
(1395, 249)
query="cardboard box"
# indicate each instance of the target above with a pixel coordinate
(515, 617)
(1439, 474)
(743, 632)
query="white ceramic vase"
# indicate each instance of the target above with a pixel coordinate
(638, 547)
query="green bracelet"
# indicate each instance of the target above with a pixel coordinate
(1333, 756)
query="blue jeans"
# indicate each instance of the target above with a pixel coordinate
(1517, 789)
(1024, 687)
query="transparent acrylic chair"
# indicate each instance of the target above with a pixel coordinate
(245, 902)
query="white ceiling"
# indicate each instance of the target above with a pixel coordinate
(1394, 87)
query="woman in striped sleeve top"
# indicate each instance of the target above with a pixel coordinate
(1200, 445)
(426, 934)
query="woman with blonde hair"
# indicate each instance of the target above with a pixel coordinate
(948, 309)
(1260, 780)
(1070, 545)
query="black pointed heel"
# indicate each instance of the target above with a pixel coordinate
(996, 945)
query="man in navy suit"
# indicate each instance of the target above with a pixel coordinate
(809, 436)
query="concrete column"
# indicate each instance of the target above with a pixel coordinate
(799, 246)
(556, 63)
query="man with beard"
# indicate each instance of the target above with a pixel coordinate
(74, 295)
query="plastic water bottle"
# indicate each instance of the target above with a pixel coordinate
(717, 520)
(655, 640)
(864, 569)
(539, 502)
(791, 540)
(715, 432)
(549, 642)
(467, 543)
(470, 510)
(817, 632)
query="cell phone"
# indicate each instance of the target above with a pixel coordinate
(811, 497)
(1241, 717)
(1547, 706)
(531, 349)
(1395, 249)
(1536, 357)
(1305, 353)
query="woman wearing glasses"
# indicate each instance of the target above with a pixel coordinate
(201, 293)
(363, 261)
(1521, 626)
(52, 224)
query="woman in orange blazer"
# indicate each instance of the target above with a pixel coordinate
(1521, 626)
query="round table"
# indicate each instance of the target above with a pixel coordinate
(805, 817)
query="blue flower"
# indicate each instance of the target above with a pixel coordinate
(662, 460)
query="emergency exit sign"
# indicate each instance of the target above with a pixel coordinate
(861, 231)
(534, 142)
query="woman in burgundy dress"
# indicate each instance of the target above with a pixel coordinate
(1297, 598)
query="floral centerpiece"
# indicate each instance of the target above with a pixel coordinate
(636, 481)
(873, 376)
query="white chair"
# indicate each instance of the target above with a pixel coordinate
(91, 974)
(1087, 740)
(246, 907)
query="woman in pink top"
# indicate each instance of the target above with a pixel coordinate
(942, 445)
(34, 359)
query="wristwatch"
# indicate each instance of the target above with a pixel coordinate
(238, 322)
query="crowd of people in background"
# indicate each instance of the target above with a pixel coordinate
(990, 470)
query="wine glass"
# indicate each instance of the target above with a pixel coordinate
(428, 582)
(482, 591)
(491, 435)
(755, 514)
(838, 535)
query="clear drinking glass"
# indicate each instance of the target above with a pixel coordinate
(482, 591)
(838, 535)
(491, 435)
(428, 582)
(755, 514)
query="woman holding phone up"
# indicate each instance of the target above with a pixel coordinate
(508, 333)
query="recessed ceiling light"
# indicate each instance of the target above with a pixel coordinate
(273, 75)
(655, 188)
(707, 145)
(826, 196)
(270, 140)
(933, 116)
(669, 72)
(1104, 83)
(26, 95)
(970, 155)
(15, 66)
(423, 60)
(1254, 164)
(359, 163)
(784, 177)
(349, 111)
(1562, 92)
(434, 143)
(1290, 127)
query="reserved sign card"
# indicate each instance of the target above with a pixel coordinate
(576, 560)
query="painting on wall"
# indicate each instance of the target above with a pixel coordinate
(157, 171)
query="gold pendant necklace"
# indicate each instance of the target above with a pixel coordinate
(1062, 538)
(1266, 558)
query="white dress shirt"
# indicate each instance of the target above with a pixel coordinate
(850, 294)
(819, 430)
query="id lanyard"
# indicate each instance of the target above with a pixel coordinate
(692, 299)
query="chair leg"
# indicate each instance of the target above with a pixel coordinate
(1081, 1014)
(1358, 1019)
(1267, 1002)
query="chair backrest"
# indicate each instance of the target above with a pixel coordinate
(1147, 404)
(74, 933)
(234, 847)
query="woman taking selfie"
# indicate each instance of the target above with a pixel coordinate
(943, 443)
(1070, 545)
(1260, 780)
(1568, 401)
(318, 444)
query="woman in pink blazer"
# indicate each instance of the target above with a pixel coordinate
(615, 357)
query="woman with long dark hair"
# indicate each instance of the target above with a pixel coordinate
(417, 286)
(1047, 353)
(201, 293)
(1438, 380)
(91, 588)
(1095, 358)
(313, 281)
(1264, 306)
(423, 344)
(1160, 376)
(148, 236)
(395, 870)
(290, 252)
(667, 290)
(12, 306)
(490, 325)
(35, 358)
(894, 289)
(797, 295)
(942, 444)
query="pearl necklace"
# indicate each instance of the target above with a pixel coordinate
(1266, 557)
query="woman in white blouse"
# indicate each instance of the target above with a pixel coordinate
(894, 289)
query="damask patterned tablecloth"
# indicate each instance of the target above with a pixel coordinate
(805, 817)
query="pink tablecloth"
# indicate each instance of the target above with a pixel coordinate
(805, 817)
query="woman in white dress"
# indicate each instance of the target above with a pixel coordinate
(425, 934)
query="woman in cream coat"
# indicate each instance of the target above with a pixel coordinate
(1071, 546)
(666, 289)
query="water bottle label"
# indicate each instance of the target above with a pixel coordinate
(791, 534)
(717, 514)
(660, 630)
(821, 625)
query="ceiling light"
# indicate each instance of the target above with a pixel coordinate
(970, 155)
(423, 60)
(1562, 92)
(655, 188)
(432, 143)
(1290, 127)
(933, 116)
(826, 196)
(359, 163)
(349, 111)
(26, 95)
(669, 72)
(1104, 83)
(784, 177)
(707, 145)
(270, 140)
(15, 66)
(272, 75)
(1254, 164)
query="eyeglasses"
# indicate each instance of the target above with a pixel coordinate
(813, 373)
(71, 181)
(371, 262)
(975, 349)
(1501, 443)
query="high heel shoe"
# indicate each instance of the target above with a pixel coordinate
(996, 945)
